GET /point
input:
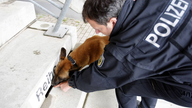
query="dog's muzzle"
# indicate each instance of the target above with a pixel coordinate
(54, 71)
(54, 82)
(53, 74)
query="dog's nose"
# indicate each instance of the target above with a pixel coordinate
(53, 74)
(54, 82)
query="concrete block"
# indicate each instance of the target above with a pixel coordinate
(15, 17)
(26, 64)
(37, 95)
(59, 99)
(101, 99)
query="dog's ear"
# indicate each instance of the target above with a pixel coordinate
(62, 53)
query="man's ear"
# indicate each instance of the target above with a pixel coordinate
(113, 21)
(62, 53)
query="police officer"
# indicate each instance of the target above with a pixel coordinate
(149, 54)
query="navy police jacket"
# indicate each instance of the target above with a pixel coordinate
(152, 39)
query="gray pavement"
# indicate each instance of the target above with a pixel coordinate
(84, 30)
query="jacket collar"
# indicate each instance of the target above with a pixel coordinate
(125, 11)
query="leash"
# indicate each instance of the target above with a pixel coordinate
(49, 90)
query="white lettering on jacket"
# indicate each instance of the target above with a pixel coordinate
(167, 22)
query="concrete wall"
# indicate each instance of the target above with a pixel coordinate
(14, 17)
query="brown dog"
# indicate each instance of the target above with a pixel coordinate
(85, 54)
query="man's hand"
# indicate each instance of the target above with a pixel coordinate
(64, 86)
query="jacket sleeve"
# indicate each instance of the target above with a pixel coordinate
(106, 73)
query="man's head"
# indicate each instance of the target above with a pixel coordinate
(102, 14)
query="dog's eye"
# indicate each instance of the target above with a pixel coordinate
(62, 58)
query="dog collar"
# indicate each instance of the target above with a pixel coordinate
(71, 59)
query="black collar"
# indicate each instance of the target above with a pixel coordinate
(71, 59)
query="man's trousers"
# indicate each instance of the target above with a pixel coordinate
(150, 91)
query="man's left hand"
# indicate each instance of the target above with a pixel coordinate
(64, 86)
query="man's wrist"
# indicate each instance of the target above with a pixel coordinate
(71, 83)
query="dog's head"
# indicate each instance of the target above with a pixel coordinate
(62, 69)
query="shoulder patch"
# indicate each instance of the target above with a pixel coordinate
(101, 61)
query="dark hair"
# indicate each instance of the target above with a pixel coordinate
(101, 11)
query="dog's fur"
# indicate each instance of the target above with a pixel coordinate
(85, 54)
